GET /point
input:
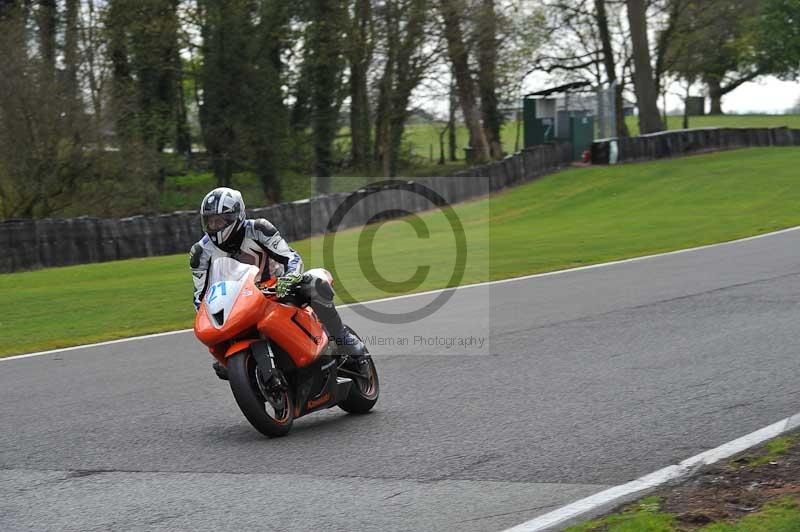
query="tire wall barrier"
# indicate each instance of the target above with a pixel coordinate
(33, 244)
(688, 141)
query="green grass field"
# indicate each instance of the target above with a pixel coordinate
(576, 217)
(186, 191)
(421, 137)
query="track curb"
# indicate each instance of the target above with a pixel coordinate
(592, 505)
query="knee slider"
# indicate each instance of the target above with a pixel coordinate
(323, 289)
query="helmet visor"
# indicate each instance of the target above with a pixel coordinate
(216, 222)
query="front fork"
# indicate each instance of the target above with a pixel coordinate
(268, 375)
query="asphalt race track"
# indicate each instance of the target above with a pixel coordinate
(587, 379)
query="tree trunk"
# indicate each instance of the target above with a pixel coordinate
(715, 96)
(299, 118)
(442, 133)
(451, 124)
(383, 145)
(407, 77)
(396, 128)
(610, 66)
(47, 15)
(93, 76)
(326, 48)
(487, 68)
(183, 137)
(644, 85)
(360, 126)
(382, 148)
(360, 60)
(223, 79)
(686, 106)
(122, 103)
(71, 55)
(221, 165)
(619, 111)
(270, 121)
(452, 11)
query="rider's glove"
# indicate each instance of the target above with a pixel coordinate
(286, 283)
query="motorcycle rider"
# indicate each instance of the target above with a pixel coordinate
(228, 233)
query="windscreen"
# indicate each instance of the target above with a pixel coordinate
(224, 284)
(227, 269)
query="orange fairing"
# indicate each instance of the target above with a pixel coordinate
(247, 310)
(240, 346)
(297, 330)
(237, 315)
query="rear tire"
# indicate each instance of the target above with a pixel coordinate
(363, 393)
(247, 392)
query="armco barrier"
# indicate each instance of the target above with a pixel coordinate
(31, 244)
(688, 141)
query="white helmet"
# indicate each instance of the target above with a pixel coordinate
(222, 215)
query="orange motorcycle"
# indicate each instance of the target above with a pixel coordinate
(280, 362)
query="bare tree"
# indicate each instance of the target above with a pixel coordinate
(407, 56)
(50, 163)
(452, 13)
(609, 62)
(486, 27)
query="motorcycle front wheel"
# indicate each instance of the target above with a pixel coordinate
(267, 407)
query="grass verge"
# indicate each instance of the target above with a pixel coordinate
(780, 515)
(573, 218)
(760, 493)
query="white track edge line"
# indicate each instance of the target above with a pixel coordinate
(436, 291)
(606, 497)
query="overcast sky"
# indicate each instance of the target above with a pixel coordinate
(769, 96)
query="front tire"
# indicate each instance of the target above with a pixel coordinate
(272, 415)
(364, 392)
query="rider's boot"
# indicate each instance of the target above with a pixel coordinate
(347, 343)
(317, 290)
(351, 345)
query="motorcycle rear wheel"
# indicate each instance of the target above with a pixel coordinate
(364, 392)
(272, 415)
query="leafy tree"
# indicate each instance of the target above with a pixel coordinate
(144, 51)
(359, 47)
(779, 37)
(717, 42)
(243, 112)
(326, 47)
(405, 62)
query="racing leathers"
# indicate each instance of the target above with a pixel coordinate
(264, 247)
